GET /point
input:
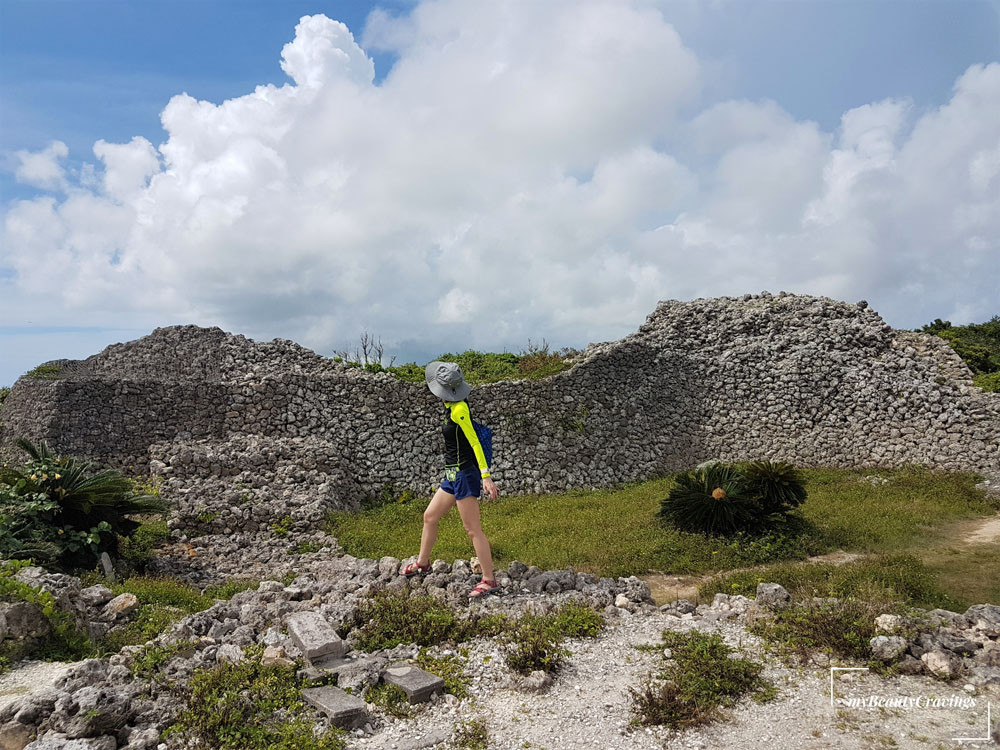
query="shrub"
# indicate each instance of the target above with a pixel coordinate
(702, 677)
(841, 627)
(44, 372)
(67, 503)
(534, 644)
(391, 699)
(162, 602)
(4, 393)
(247, 706)
(777, 487)
(989, 382)
(710, 500)
(386, 620)
(136, 551)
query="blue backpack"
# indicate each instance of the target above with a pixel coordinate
(485, 435)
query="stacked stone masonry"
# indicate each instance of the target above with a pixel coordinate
(246, 434)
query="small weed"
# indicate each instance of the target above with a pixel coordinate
(449, 668)
(152, 658)
(702, 678)
(391, 699)
(387, 620)
(471, 735)
(207, 516)
(534, 644)
(137, 550)
(305, 548)
(283, 527)
(574, 620)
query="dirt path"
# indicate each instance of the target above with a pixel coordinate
(985, 531)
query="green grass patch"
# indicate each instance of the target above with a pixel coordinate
(247, 706)
(844, 510)
(391, 699)
(162, 602)
(137, 549)
(231, 588)
(702, 677)
(899, 578)
(44, 372)
(842, 628)
(450, 668)
(471, 734)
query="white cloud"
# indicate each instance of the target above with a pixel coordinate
(42, 168)
(524, 170)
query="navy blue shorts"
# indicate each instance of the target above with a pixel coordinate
(465, 484)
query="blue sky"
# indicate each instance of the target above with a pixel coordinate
(82, 71)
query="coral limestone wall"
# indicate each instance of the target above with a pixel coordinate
(246, 434)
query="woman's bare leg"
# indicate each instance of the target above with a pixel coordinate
(440, 504)
(468, 509)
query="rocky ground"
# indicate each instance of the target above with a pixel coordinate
(101, 705)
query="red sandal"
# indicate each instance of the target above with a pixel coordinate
(413, 569)
(482, 588)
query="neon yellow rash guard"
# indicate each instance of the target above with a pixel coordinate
(457, 443)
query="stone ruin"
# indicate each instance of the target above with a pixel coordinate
(247, 434)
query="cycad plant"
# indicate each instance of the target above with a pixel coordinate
(86, 507)
(710, 500)
(778, 487)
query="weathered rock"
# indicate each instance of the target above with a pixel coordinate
(314, 636)
(418, 684)
(274, 656)
(888, 623)
(773, 596)
(938, 663)
(120, 606)
(24, 620)
(887, 648)
(358, 674)
(14, 735)
(345, 710)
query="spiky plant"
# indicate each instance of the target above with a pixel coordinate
(710, 500)
(87, 499)
(777, 487)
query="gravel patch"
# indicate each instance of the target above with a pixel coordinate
(29, 677)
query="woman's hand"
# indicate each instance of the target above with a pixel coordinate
(490, 488)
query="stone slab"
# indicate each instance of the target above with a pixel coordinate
(315, 636)
(345, 710)
(415, 682)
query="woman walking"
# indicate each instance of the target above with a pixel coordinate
(466, 476)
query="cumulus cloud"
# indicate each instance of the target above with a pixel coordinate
(524, 170)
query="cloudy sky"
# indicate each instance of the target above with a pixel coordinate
(452, 174)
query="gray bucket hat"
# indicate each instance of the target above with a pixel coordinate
(446, 381)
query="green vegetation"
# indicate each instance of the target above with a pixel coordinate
(64, 643)
(391, 699)
(386, 620)
(44, 372)
(4, 393)
(247, 706)
(842, 627)
(916, 511)
(724, 499)
(471, 734)
(450, 668)
(902, 578)
(283, 527)
(701, 677)
(62, 511)
(533, 644)
(136, 551)
(534, 362)
(151, 658)
(977, 344)
(162, 602)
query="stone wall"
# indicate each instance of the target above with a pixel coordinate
(247, 433)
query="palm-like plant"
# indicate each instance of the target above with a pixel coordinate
(710, 500)
(778, 487)
(86, 499)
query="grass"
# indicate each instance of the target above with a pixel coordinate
(913, 512)
(895, 577)
(701, 678)
(162, 602)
